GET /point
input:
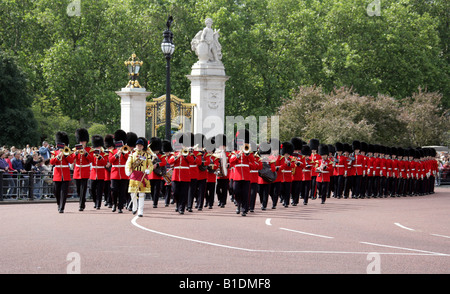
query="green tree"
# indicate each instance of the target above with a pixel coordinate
(18, 123)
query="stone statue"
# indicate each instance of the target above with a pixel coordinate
(206, 44)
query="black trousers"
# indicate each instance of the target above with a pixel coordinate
(180, 194)
(356, 190)
(119, 192)
(61, 190)
(285, 191)
(241, 194)
(305, 191)
(263, 191)
(167, 191)
(210, 193)
(107, 192)
(322, 190)
(252, 199)
(296, 188)
(192, 193)
(274, 193)
(200, 192)
(82, 185)
(222, 191)
(155, 187)
(96, 191)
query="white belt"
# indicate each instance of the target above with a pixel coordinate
(120, 165)
(84, 165)
(181, 167)
(241, 165)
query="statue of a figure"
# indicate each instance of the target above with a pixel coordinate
(206, 44)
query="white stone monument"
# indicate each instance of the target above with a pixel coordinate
(208, 82)
(132, 110)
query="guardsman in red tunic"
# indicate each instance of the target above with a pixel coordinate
(306, 173)
(297, 170)
(82, 166)
(340, 163)
(314, 158)
(119, 180)
(222, 182)
(275, 186)
(287, 149)
(254, 168)
(159, 166)
(323, 172)
(241, 159)
(166, 149)
(202, 172)
(264, 151)
(181, 159)
(212, 163)
(98, 161)
(109, 145)
(60, 160)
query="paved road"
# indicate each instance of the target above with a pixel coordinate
(393, 235)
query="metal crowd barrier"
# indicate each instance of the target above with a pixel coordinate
(32, 185)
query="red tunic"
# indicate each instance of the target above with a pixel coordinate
(61, 170)
(118, 165)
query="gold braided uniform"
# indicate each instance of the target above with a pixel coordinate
(136, 186)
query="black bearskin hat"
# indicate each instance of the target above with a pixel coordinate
(62, 137)
(82, 135)
(97, 141)
(131, 139)
(323, 149)
(314, 144)
(120, 135)
(155, 144)
(109, 141)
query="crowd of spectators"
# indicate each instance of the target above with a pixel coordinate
(444, 167)
(16, 166)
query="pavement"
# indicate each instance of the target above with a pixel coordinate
(405, 235)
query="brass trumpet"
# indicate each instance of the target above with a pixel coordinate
(66, 151)
(125, 149)
(246, 149)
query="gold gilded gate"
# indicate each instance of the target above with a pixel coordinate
(181, 116)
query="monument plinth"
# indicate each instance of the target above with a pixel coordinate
(208, 82)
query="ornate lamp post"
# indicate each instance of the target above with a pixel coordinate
(167, 48)
(133, 65)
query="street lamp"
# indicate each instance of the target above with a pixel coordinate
(167, 48)
(133, 65)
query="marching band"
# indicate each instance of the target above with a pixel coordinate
(192, 170)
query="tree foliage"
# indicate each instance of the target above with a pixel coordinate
(74, 64)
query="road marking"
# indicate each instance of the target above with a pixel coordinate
(133, 221)
(305, 233)
(403, 227)
(268, 221)
(437, 235)
(404, 248)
